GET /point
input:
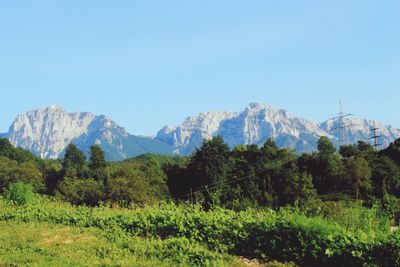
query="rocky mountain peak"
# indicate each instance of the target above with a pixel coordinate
(258, 122)
(255, 107)
(47, 132)
(54, 107)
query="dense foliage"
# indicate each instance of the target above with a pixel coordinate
(339, 235)
(269, 176)
(82, 181)
(20, 193)
(215, 175)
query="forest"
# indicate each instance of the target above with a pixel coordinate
(267, 203)
(215, 175)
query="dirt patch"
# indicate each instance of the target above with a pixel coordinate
(257, 263)
(64, 236)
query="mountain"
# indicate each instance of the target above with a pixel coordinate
(46, 132)
(254, 125)
(360, 129)
(258, 122)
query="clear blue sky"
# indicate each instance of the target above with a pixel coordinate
(150, 63)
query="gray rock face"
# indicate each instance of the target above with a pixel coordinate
(258, 122)
(47, 132)
(360, 129)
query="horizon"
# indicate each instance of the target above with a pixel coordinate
(149, 65)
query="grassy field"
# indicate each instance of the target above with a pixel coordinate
(46, 244)
(52, 233)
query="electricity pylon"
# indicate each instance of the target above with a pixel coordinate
(375, 136)
(342, 126)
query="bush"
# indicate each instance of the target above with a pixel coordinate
(14, 172)
(285, 235)
(20, 193)
(349, 214)
(391, 208)
(81, 191)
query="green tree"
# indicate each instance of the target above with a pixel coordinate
(328, 167)
(359, 177)
(364, 147)
(386, 177)
(157, 179)
(243, 181)
(97, 163)
(179, 181)
(209, 167)
(129, 189)
(97, 160)
(18, 154)
(209, 162)
(81, 191)
(135, 182)
(393, 151)
(52, 172)
(348, 151)
(13, 172)
(300, 189)
(307, 162)
(274, 168)
(325, 146)
(367, 152)
(74, 163)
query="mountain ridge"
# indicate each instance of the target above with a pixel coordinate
(258, 122)
(46, 132)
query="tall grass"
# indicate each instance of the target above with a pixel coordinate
(285, 235)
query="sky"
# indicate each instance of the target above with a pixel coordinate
(147, 64)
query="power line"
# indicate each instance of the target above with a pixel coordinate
(237, 179)
(375, 137)
(343, 126)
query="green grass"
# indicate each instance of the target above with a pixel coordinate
(171, 235)
(46, 244)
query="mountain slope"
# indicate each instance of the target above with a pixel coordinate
(258, 122)
(46, 132)
(254, 125)
(360, 129)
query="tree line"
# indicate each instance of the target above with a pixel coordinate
(270, 176)
(214, 175)
(83, 181)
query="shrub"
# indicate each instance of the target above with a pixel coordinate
(81, 191)
(391, 208)
(284, 235)
(20, 193)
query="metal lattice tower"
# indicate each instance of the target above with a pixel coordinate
(375, 137)
(342, 126)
